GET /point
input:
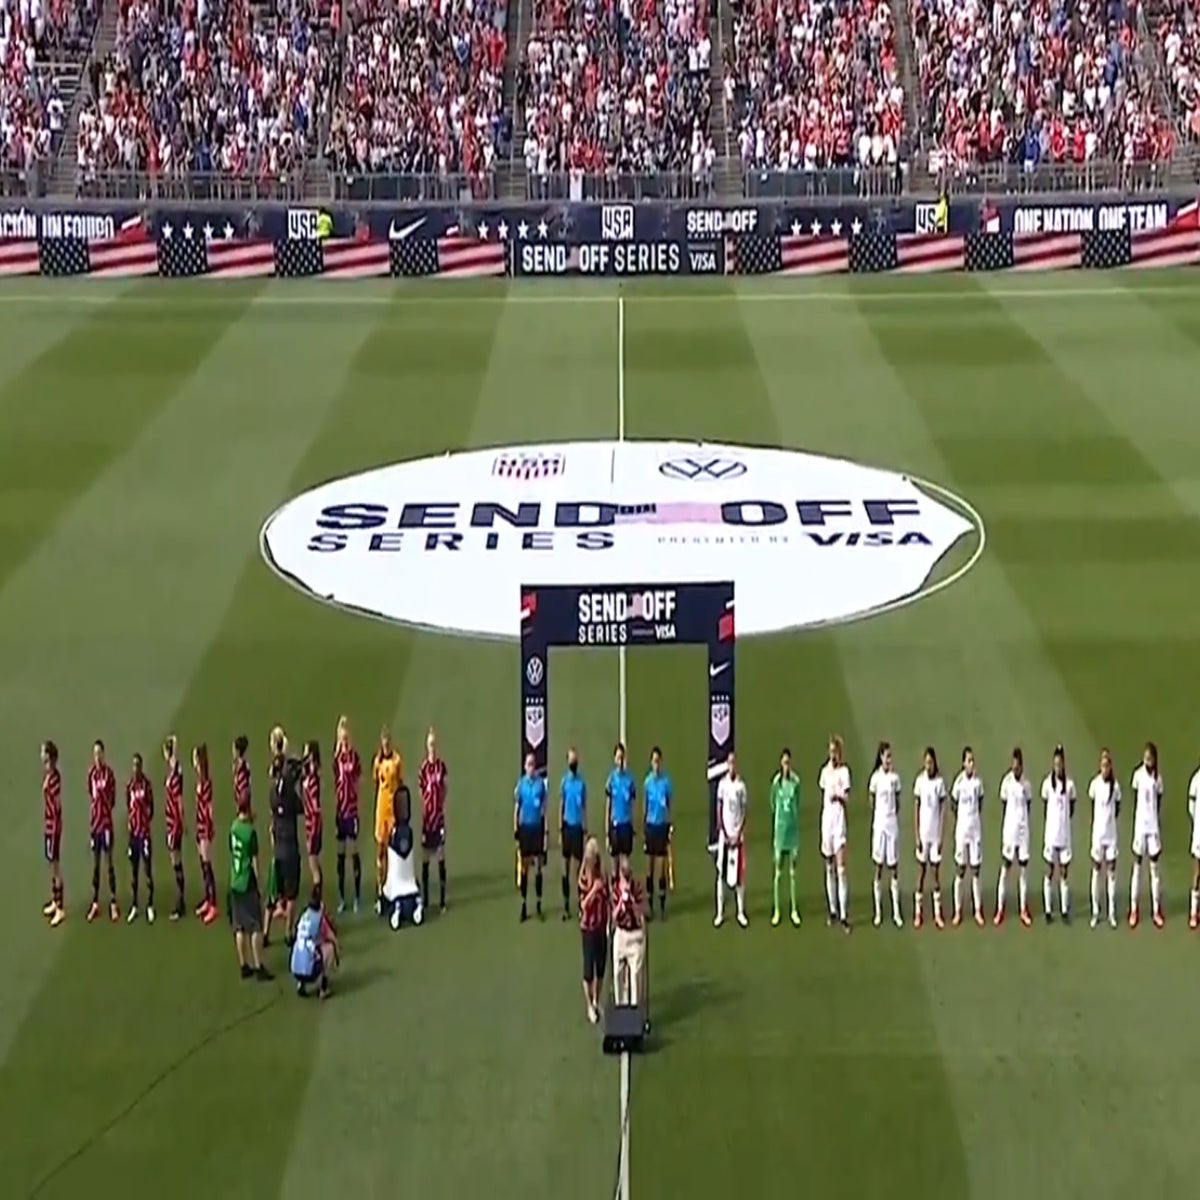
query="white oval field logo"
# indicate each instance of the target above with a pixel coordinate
(446, 543)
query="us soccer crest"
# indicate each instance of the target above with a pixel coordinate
(718, 721)
(535, 723)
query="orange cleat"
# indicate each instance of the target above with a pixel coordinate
(201, 908)
(1026, 919)
(209, 915)
(93, 911)
(1194, 921)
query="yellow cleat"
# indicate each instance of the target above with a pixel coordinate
(49, 908)
(775, 918)
(58, 917)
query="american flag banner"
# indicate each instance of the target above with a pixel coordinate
(1101, 249)
(917, 253)
(872, 251)
(334, 258)
(449, 257)
(1176, 246)
(792, 254)
(298, 258)
(988, 251)
(187, 252)
(1047, 251)
(118, 257)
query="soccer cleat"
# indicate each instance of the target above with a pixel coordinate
(201, 907)
(114, 913)
(566, 914)
(1095, 920)
(957, 921)
(845, 925)
(998, 919)
(829, 920)
(60, 915)
(1112, 920)
(774, 918)
(247, 971)
(1026, 918)
(878, 920)
(1066, 917)
(524, 915)
(378, 906)
(150, 915)
(1159, 920)
(898, 920)
(938, 922)
(341, 907)
(209, 915)
(263, 975)
(918, 920)
(795, 919)
(176, 913)
(357, 905)
(93, 911)
(1134, 918)
(743, 920)
(1049, 918)
(133, 915)
(981, 920)
(1194, 921)
(48, 908)
(718, 920)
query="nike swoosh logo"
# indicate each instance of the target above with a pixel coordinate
(398, 235)
(714, 671)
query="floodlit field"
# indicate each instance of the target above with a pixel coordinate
(147, 431)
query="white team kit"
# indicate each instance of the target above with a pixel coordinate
(1016, 798)
(732, 805)
(1194, 813)
(1147, 832)
(884, 789)
(967, 795)
(834, 783)
(1058, 795)
(930, 795)
(1105, 796)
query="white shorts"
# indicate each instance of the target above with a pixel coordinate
(833, 829)
(885, 847)
(1196, 845)
(968, 848)
(930, 852)
(1060, 853)
(1104, 849)
(1014, 845)
(1147, 843)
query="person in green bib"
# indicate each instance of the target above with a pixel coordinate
(785, 812)
(245, 903)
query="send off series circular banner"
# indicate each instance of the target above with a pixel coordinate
(445, 543)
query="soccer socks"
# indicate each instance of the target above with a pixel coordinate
(775, 885)
(341, 875)
(524, 892)
(112, 881)
(425, 883)
(441, 884)
(56, 893)
(1001, 888)
(937, 903)
(957, 897)
(1096, 894)
(740, 892)
(830, 890)
(1023, 888)
(842, 893)
(179, 885)
(1064, 897)
(537, 887)
(662, 896)
(918, 905)
(136, 873)
(1155, 888)
(792, 884)
(566, 892)
(720, 899)
(96, 877)
(1046, 895)
(1135, 886)
(210, 883)
(896, 900)
(1194, 912)
(976, 897)
(876, 898)
(357, 877)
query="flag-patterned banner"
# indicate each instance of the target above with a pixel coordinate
(451, 257)
(918, 253)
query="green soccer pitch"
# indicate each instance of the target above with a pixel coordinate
(146, 432)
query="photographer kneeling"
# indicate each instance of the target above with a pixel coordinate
(315, 951)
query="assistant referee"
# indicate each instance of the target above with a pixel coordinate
(529, 830)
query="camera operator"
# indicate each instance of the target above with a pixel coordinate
(286, 810)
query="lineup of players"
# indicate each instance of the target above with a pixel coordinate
(931, 798)
(392, 807)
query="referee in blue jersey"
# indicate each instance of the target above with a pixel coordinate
(572, 825)
(620, 792)
(656, 796)
(529, 830)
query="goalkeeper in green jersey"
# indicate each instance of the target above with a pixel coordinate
(785, 813)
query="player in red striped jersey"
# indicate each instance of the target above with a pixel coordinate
(205, 832)
(102, 798)
(52, 831)
(347, 772)
(433, 779)
(314, 826)
(173, 813)
(139, 804)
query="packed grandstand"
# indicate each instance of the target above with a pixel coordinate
(538, 91)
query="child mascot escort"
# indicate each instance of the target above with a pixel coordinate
(402, 899)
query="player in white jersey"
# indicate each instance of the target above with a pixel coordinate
(884, 792)
(1058, 809)
(929, 803)
(731, 841)
(834, 785)
(1147, 834)
(1016, 797)
(1105, 794)
(1194, 813)
(967, 797)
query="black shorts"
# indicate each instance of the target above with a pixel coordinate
(433, 839)
(620, 840)
(347, 829)
(287, 877)
(245, 911)
(531, 839)
(658, 839)
(572, 842)
(595, 954)
(139, 849)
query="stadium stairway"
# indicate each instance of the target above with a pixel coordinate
(513, 184)
(906, 53)
(74, 89)
(727, 177)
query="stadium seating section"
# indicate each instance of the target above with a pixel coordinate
(1176, 26)
(35, 37)
(618, 85)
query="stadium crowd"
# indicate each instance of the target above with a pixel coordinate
(815, 84)
(619, 86)
(1176, 24)
(34, 34)
(1034, 82)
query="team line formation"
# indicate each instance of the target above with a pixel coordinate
(392, 817)
(885, 790)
